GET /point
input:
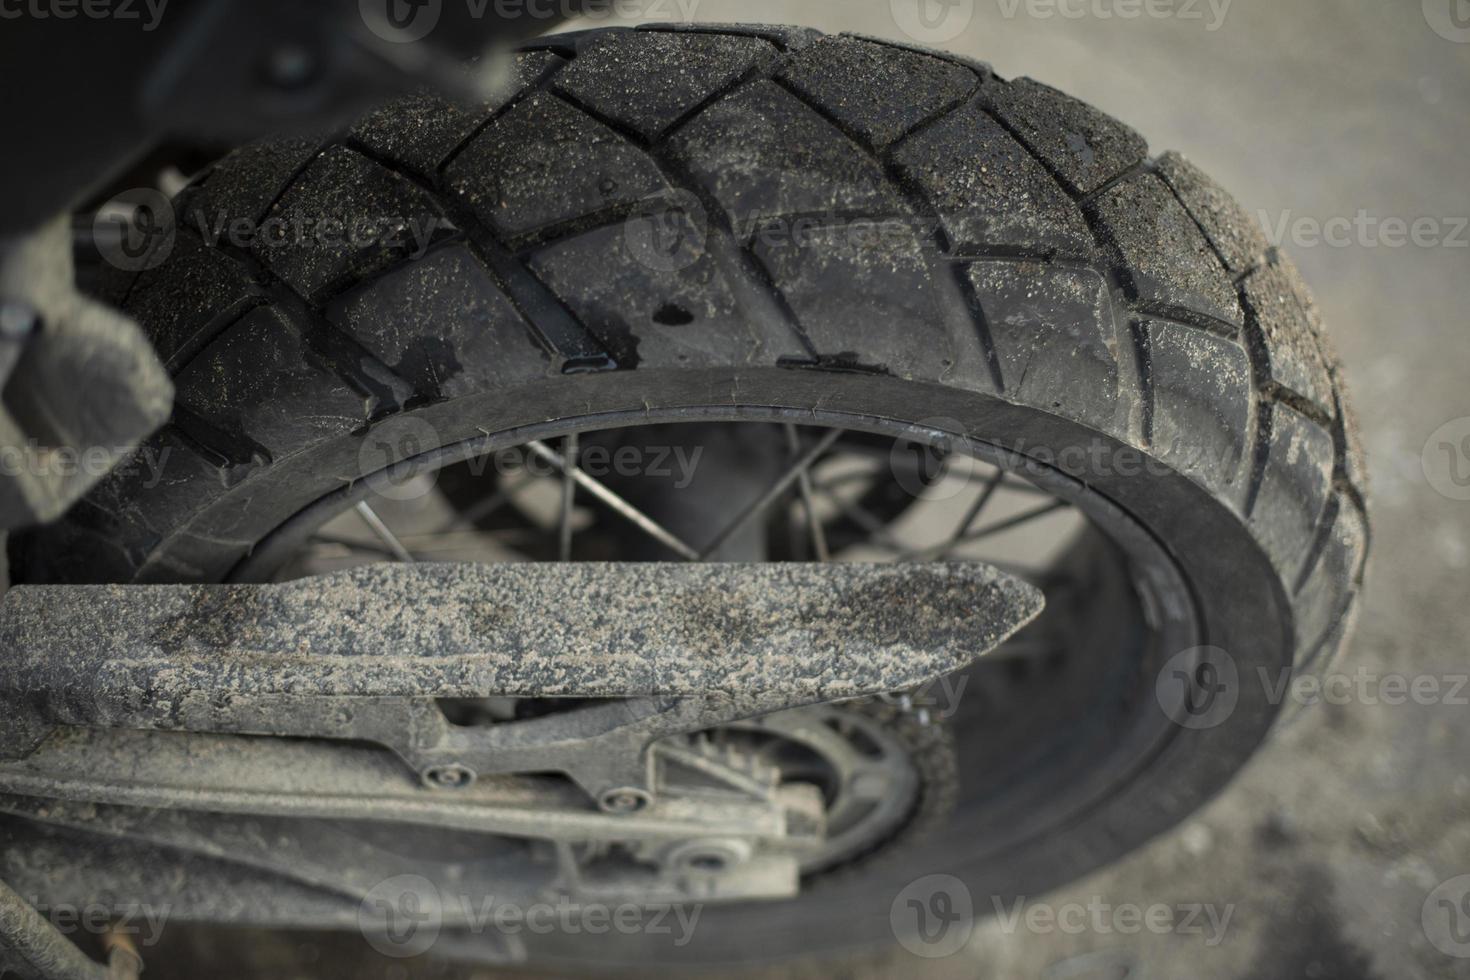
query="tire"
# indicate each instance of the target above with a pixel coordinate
(1047, 285)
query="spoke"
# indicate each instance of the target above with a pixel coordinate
(423, 541)
(650, 527)
(808, 503)
(466, 519)
(941, 550)
(319, 539)
(837, 482)
(973, 514)
(861, 516)
(371, 519)
(434, 545)
(1010, 482)
(1021, 486)
(437, 540)
(568, 497)
(1010, 524)
(801, 466)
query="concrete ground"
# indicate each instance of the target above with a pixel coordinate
(1328, 851)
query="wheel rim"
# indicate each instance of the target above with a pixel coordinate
(1042, 494)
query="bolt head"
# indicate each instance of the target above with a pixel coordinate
(449, 777)
(624, 800)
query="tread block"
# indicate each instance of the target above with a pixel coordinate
(68, 553)
(343, 219)
(259, 381)
(1086, 148)
(242, 186)
(544, 162)
(1053, 332)
(877, 91)
(1274, 293)
(988, 190)
(865, 297)
(1294, 490)
(443, 326)
(1329, 585)
(980, 68)
(648, 80)
(787, 161)
(626, 293)
(1201, 388)
(106, 282)
(1172, 266)
(1326, 655)
(1237, 236)
(1350, 433)
(179, 302)
(150, 493)
(1346, 425)
(418, 131)
(421, 130)
(785, 37)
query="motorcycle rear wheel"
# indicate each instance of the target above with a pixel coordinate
(769, 227)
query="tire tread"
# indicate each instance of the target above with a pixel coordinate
(1183, 314)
